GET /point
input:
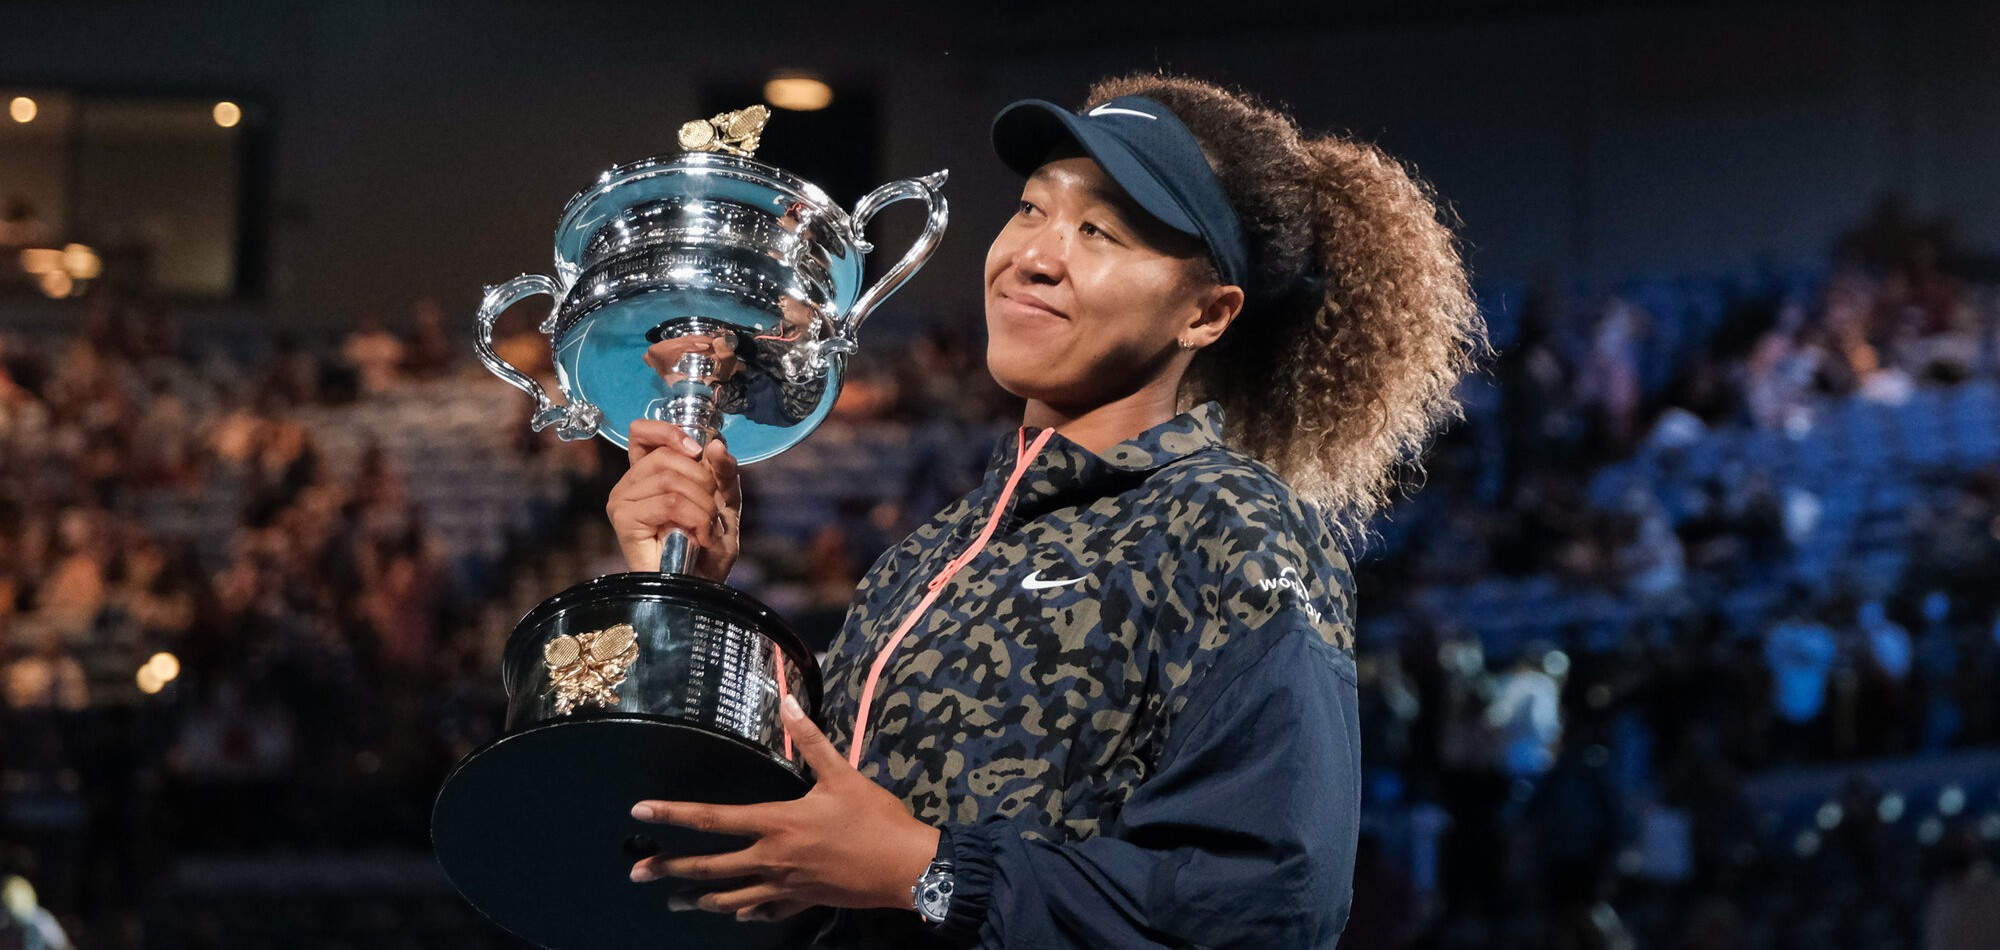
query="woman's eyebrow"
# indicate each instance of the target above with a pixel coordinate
(1103, 192)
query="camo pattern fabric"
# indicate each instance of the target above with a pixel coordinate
(1044, 680)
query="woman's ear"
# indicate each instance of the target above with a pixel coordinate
(1220, 305)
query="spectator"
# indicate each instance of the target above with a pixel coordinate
(1525, 716)
(376, 354)
(22, 226)
(1800, 651)
(24, 923)
(47, 679)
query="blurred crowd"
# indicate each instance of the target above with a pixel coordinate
(230, 625)
(178, 675)
(1588, 777)
(219, 635)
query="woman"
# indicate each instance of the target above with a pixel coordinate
(1107, 699)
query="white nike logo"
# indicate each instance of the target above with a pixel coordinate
(1114, 110)
(1034, 582)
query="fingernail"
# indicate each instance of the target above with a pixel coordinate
(688, 442)
(641, 873)
(792, 708)
(677, 902)
(643, 812)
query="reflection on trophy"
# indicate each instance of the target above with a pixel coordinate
(722, 295)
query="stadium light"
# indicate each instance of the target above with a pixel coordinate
(798, 93)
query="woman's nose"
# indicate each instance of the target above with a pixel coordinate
(1041, 256)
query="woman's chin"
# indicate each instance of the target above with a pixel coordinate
(1022, 378)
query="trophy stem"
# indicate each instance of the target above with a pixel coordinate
(674, 556)
(707, 359)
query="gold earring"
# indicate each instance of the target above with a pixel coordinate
(1185, 345)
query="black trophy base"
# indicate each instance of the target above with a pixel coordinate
(536, 830)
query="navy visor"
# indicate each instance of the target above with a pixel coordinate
(1144, 147)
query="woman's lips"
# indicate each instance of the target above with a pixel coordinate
(1029, 306)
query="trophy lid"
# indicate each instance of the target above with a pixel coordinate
(759, 264)
(716, 164)
(716, 175)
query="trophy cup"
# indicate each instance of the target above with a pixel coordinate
(663, 685)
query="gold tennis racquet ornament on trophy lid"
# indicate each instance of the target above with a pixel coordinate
(733, 132)
(746, 284)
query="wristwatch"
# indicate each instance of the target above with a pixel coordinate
(931, 895)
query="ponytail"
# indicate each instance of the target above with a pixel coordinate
(1345, 362)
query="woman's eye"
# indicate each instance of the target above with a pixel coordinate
(1091, 230)
(1026, 207)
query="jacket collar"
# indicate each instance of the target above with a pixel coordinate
(1183, 435)
(1065, 469)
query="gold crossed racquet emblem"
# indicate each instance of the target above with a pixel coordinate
(733, 132)
(589, 667)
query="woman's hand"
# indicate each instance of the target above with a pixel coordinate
(665, 356)
(674, 483)
(848, 843)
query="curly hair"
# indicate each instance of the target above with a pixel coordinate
(1361, 320)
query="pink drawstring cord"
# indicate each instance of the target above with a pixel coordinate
(778, 662)
(1024, 455)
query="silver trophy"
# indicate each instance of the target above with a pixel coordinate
(745, 284)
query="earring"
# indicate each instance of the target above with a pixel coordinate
(1185, 345)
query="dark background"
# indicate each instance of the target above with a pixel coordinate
(425, 148)
(1690, 638)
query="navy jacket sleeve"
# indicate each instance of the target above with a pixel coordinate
(1243, 837)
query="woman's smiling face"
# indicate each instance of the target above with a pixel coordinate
(1086, 293)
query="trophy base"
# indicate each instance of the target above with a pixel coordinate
(536, 830)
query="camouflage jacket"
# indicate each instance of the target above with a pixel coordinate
(1132, 713)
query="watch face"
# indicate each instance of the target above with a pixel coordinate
(935, 898)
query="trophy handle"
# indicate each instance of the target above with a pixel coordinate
(579, 419)
(925, 188)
